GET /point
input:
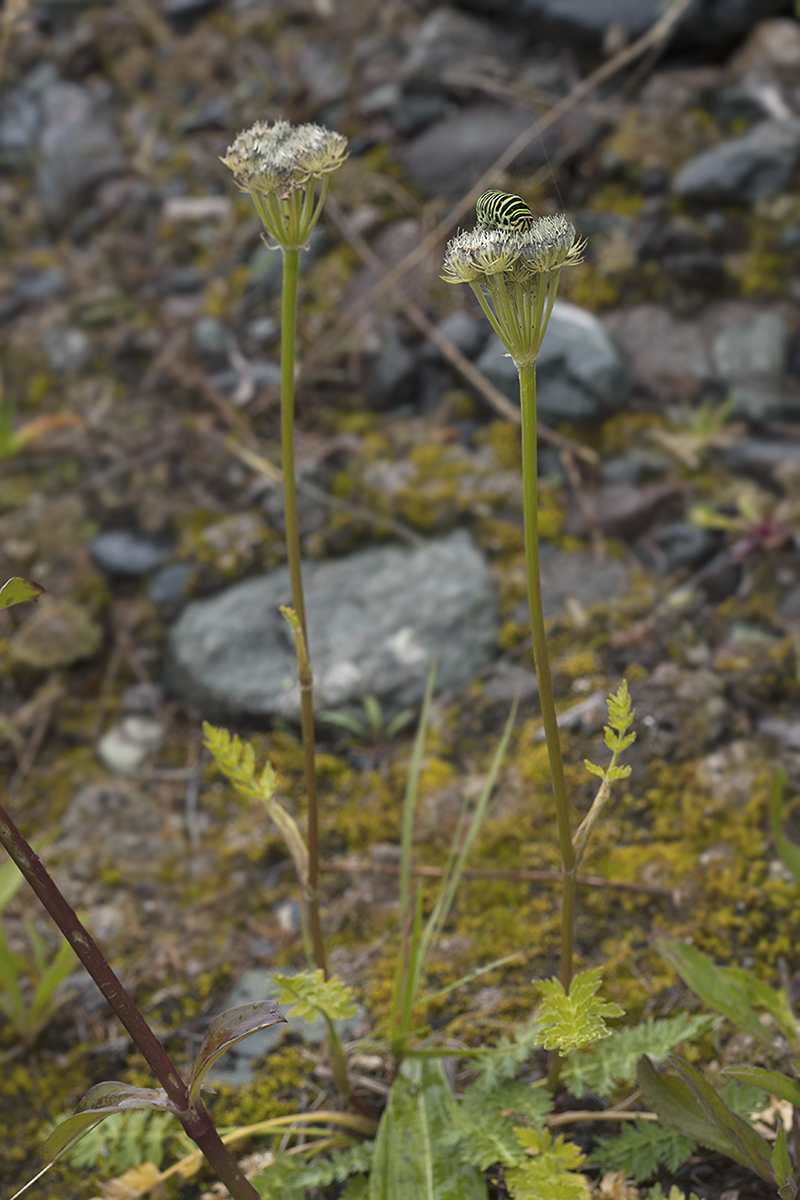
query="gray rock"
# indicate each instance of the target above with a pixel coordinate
(624, 510)
(450, 156)
(171, 585)
(376, 619)
(581, 376)
(707, 22)
(759, 459)
(124, 747)
(743, 170)
(753, 349)
(759, 404)
(448, 39)
(128, 552)
(78, 148)
(211, 339)
(255, 985)
(392, 370)
(576, 575)
(67, 349)
(19, 121)
(637, 466)
(466, 331)
(678, 545)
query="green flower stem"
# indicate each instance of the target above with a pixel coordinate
(291, 270)
(527, 388)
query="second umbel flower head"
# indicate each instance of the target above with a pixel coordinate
(278, 165)
(514, 273)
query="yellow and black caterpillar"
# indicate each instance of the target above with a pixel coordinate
(504, 211)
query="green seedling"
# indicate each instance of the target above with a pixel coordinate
(699, 432)
(372, 729)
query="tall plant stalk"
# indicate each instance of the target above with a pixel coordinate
(279, 166)
(291, 271)
(530, 502)
(514, 273)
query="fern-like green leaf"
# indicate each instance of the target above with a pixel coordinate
(309, 993)
(569, 1021)
(125, 1140)
(504, 1060)
(291, 1177)
(603, 1067)
(483, 1125)
(550, 1173)
(641, 1149)
(237, 760)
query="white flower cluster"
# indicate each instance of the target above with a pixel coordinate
(477, 255)
(281, 158)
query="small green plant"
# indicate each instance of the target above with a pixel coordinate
(371, 729)
(30, 985)
(698, 432)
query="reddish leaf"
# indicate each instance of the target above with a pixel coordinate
(225, 1031)
(98, 1103)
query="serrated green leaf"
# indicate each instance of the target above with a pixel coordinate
(567, 1022)
(641, 1149)
(309, 994)
(609, 1063)
(675, 1193)
(615, 773)
(595, 770)
(549, 1174)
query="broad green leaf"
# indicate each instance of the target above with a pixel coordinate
(760, 995)
(731, 1134)
(789, 852)
(774, 1082)
(678, 1108)
(98, 1103)
(309, 993)
(225, 1031)
(412, 1160)
(781, 1160)
(550, 1173)
(722, 992)
(17, 591)
(569, 1021)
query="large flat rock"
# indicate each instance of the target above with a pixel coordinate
(377, 620)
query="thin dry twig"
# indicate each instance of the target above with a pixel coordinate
(356, 867)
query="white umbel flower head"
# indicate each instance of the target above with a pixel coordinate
(278, 165)
(514, 273)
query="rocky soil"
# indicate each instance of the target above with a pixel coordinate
(139, 446)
